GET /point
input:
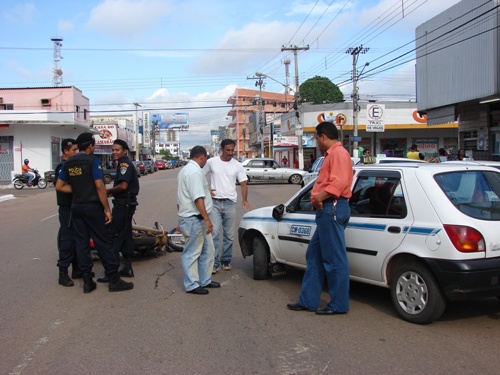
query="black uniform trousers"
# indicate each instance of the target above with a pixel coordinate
(65, 238)
(89, 221)
(121, 229)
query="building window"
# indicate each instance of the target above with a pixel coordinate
(8, 107)
(85, 114)
(470, 140)
(77, 110)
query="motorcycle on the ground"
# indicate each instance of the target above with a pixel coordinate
(21, 181)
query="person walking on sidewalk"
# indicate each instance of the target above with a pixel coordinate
(225, 171)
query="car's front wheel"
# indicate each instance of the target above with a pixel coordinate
(416, 295)
(295, 179)
(260, 259)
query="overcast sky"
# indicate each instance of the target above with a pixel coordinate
(190, 55)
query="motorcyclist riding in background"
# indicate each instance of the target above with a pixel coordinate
(26, 171)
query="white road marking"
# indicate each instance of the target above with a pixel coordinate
(36, 347)
(49, 217)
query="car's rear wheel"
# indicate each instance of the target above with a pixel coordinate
(416, 295)
(295, 179)
(260, 259)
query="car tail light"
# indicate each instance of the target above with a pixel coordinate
(465, 239)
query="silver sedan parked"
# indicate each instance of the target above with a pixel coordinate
(264, 169)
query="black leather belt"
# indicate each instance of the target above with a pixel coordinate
(221, 199)
(334, 199)
(199, 217)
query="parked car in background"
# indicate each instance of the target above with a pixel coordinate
(264, 169)
(427, 232)
(141, 167)
(150, 166)
(160, 164)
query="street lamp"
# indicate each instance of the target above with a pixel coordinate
(137, 147)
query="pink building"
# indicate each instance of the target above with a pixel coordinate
(34, 120)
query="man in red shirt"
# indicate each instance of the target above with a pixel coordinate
(326, 254)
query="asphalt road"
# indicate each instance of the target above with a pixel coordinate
(242, 328)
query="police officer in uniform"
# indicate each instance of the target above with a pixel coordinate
(65, 236)
(124, 192)
(90, 213)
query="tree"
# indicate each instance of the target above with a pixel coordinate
(319, 90)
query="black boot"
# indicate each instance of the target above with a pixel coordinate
(103, 279)
(127, 270)
(88, 283)
(64, 279)
(118, 285)
(76, 273)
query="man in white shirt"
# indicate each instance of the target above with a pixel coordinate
(225, 171)
(194, 204)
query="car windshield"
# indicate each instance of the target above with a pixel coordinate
(474, 193)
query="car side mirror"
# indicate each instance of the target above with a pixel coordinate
(278, 212)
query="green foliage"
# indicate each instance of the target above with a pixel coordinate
(319, 90)
(166, 155)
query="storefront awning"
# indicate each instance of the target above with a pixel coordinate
(441, 115)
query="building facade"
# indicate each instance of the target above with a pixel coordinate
(248, 128)
(34, 120)
(458, 74)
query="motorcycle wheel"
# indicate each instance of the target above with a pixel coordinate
(176, 242)
(42, 184)
(18, 184)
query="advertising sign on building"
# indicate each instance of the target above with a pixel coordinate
(107, 135)
(146, 130)
(283, 141)
(170, 120)
(375, 117)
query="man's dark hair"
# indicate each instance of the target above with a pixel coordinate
(414, 147)
(197, 151)
(84, 146)
(227, 142)
(67, 143)
(328, 129)
(442, 152)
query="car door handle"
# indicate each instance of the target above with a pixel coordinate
(394, 229)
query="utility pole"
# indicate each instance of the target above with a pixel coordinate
(137, 147)
(260, 82)
(300, 131)
(354, 52)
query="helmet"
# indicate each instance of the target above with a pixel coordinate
(26, 161)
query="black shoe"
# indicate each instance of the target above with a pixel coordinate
(88, 283)
(64, 279)
(297, 307)
(326, 311)
(213, 284)
(198, 290)
(103, 279)
(118, 285)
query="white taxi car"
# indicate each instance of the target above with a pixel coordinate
(266, 169)
(429, 232)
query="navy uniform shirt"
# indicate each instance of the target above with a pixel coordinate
(125, 171)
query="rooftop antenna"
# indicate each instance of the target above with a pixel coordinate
(57, 79)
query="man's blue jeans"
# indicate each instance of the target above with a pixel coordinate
(198, 255)
(326, 257)
(223, 218)
(30, 176)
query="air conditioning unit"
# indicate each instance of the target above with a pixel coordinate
(45, 102)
